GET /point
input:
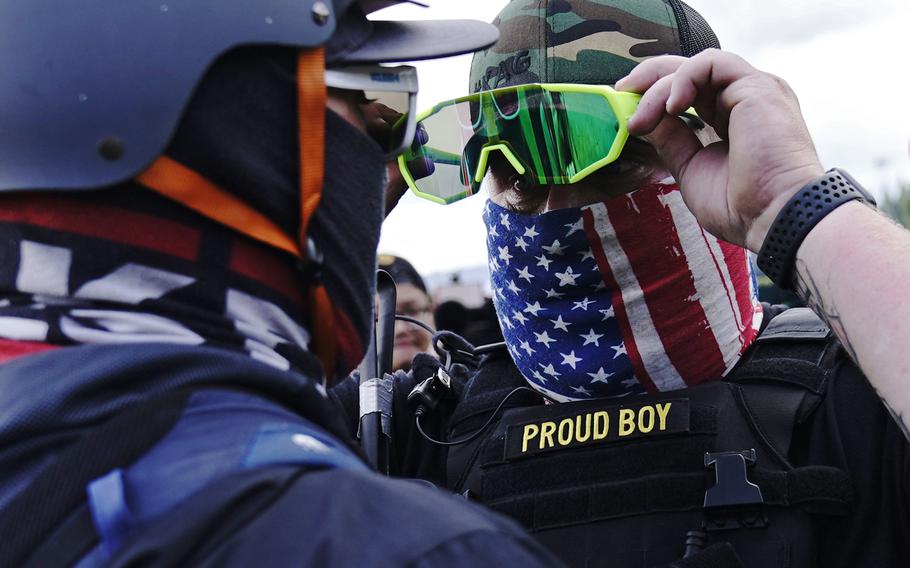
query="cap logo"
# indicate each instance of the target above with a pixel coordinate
(385, 77)
(497, 75)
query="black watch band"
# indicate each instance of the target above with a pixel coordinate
(805, 209)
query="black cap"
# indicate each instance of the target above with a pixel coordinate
(402, 271)
(361, 40)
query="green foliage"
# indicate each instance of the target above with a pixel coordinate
(896, 204)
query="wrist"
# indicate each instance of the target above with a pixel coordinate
(758, 230)
(799, 216)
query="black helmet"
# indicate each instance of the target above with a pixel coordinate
(92, 91)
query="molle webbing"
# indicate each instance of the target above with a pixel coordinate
(652, 472)
(816, 489)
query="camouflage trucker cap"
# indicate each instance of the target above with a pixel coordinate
(585, 41)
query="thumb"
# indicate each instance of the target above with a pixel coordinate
(675, 143)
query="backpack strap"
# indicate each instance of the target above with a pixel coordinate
(105, 523)
(59, 489)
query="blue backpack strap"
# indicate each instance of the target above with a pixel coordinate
(299, 444)
(106, 519)
(253, 436)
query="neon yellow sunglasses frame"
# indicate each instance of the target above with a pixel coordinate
(623, 105)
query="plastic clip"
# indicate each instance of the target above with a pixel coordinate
(734, 502)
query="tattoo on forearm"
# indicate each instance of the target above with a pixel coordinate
(807, 289)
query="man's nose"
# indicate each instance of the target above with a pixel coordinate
(558, 197)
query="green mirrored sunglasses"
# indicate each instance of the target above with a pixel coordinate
(549, 133)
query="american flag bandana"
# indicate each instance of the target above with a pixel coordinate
(133, 268)
(621, 297)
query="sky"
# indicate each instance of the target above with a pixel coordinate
(847, 61)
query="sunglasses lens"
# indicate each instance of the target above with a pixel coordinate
(387, 108)
(552, 134)
(586, 131)
(434, 160)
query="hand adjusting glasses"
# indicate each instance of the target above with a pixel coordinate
(549, 133)
(391, 94)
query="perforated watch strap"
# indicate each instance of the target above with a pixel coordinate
(810, 205)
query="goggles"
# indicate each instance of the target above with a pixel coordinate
(392, 98)
(549, 133)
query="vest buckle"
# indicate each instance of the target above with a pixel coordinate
(734, 502)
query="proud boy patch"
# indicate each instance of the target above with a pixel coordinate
(558, 429)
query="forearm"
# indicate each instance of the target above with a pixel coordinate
(853, 269)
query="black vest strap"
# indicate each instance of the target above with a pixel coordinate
(60, 488)
(796, 348)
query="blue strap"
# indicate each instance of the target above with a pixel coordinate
(275, 443)
(297, 444)
(110, 511)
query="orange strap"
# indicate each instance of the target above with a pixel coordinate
(181, 184)
(311, 99)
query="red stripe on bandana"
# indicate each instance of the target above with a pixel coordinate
(350, 347)
(12, 349)
(721, 268)
(738, 264)
(644, 224)
(622, 318)
(267, 267)
(103, 222)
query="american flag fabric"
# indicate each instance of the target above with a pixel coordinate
(621, 297)
(127, 267)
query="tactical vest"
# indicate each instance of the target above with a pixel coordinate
(645, 481)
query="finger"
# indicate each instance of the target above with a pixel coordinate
(387, 113)
(652, 107)
(676, 144)
(420, 135)
(377, 127)
(645, 74)
(706, 75)
(421, 167)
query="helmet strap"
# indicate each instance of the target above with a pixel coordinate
(311, 99)
(179, 183)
